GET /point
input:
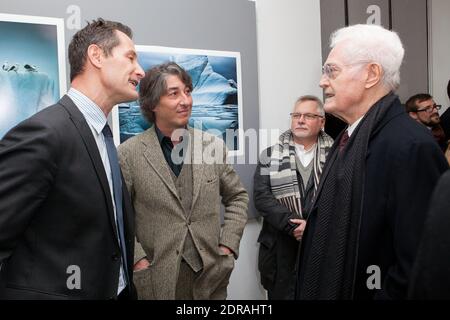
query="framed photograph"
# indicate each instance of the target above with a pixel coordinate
(33, 68)
(217, 94)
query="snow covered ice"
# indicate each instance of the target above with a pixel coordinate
(23, 93)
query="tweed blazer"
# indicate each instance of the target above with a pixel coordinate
(162, 224)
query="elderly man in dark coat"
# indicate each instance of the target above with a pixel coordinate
(363, 231)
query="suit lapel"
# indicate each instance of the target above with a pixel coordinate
(86, 134)
(196, 145)
(153, 154)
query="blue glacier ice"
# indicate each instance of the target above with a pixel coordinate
(214, 101)
(210, 88)
(131, 120)
(193, 64)
(22, 95)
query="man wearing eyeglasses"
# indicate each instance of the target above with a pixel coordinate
(368, 213)
(422, 108)
(285, 181)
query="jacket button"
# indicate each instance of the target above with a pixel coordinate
(115, 257)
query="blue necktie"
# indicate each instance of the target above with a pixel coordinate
(117, 186)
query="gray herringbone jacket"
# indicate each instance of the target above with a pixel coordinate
(162, 225)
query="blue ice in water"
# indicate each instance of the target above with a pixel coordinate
(131, 120)
(23, 94)
(215, 101)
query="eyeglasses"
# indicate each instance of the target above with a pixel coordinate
(331, 71)
(307, 116)
(429, 109)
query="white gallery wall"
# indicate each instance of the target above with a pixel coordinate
(289, 56)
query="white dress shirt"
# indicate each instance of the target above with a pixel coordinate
(96, 120)
(352, 128)
(305, 156)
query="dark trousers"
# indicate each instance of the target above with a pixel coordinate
(127, 294)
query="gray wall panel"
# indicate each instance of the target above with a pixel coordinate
(359, 11)
(332, 14)
(409, 19)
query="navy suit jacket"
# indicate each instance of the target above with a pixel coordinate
(403, 165)
(430, 277)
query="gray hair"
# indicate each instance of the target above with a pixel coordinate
(304, 98)
(373, 43)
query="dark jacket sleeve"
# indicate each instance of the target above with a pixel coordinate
(417, 170)
(430, 276)
(27, 169)
(273, 212)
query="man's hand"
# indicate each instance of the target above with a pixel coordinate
(225, 250)
(141, 265)
(298, 232)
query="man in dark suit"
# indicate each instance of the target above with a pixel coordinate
(363, 231)
(66, 220)
(445, 116)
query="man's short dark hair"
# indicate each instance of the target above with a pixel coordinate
(411, 103)
(100, 32)
(154, 85)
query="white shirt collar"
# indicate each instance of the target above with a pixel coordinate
(90, 110)
(301, 148)
(352, 128)
(305, 156)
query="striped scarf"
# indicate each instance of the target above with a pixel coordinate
(283, 174)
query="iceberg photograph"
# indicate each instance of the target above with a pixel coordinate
(216, 94)
(30, 71)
